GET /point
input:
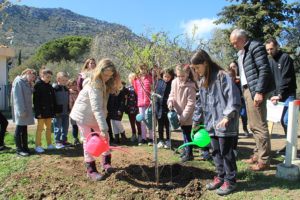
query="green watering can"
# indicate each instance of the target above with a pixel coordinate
(200, 138)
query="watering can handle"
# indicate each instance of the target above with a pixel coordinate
(93, 133)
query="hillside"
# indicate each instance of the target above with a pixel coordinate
(35, 26)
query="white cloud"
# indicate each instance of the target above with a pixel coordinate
(205, 27)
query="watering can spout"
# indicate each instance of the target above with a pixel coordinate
(119, 148)
(186, 144)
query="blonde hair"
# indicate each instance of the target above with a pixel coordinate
(31, 71)
(131, 77)
(186, 69)
(86, 64)
(113, 84)
(71, 82)
(59, 75)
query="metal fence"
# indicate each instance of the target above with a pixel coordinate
(5, 103)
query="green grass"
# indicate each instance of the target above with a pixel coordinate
(251, 185)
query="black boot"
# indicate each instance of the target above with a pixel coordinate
(106, 164)
(123, 138)
(19, 148)
(25, 142)
(117, 139)
(92, 171)
(246, 132)
(187, 157)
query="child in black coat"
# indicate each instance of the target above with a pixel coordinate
(163, 88)
(115, 109)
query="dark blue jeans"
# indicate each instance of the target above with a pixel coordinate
(186, 132)
(285, 113)
(224, 159)
(61, 126)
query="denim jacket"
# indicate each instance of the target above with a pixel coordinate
(220, 100)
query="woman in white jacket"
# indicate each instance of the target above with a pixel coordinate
(90, 111)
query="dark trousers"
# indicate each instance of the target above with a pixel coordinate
(224, 159)
(110, 133)
(133, 123)
(4, 124)
(186, 132)
(163, 122)
(75, 131)
(21, 138)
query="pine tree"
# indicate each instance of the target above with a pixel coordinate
(262, 19)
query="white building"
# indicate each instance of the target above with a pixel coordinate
(5, 53)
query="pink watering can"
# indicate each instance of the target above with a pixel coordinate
(96, 145)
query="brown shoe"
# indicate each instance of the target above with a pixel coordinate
(251, 160)
(258, 166)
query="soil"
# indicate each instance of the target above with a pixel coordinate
(60, 174)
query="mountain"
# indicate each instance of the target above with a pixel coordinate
(34, 26)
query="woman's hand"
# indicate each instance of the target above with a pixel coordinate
(223, 123)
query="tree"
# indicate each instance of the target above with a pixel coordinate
(261, 18)
(66, 48)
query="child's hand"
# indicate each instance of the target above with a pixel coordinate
(223, 123)
(119, 113)
(23, 115)
(39, 116)
(170, 105)
(105, 135)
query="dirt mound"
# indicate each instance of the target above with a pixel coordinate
(55, 177)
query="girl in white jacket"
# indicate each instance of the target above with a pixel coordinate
(90, 111)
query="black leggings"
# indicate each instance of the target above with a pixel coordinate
(21, 138)
(163, 122)
(4, 124)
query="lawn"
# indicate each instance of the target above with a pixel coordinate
(60, 174)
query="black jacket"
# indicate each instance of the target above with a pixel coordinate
(44, 100)
(163, 89)
(116, 103)
(284, 75)
(257, 69)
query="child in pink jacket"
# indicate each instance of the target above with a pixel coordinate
(183, 98)
(142, 87)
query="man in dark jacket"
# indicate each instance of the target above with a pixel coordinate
(285, 80)
(257, 83)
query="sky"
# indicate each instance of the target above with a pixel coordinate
(172, 16)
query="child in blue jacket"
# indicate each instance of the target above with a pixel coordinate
(218, 109)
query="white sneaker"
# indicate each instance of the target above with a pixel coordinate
(39, 149)
(133, 138)
(167, 144)
(50, 146)
(160, 144)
